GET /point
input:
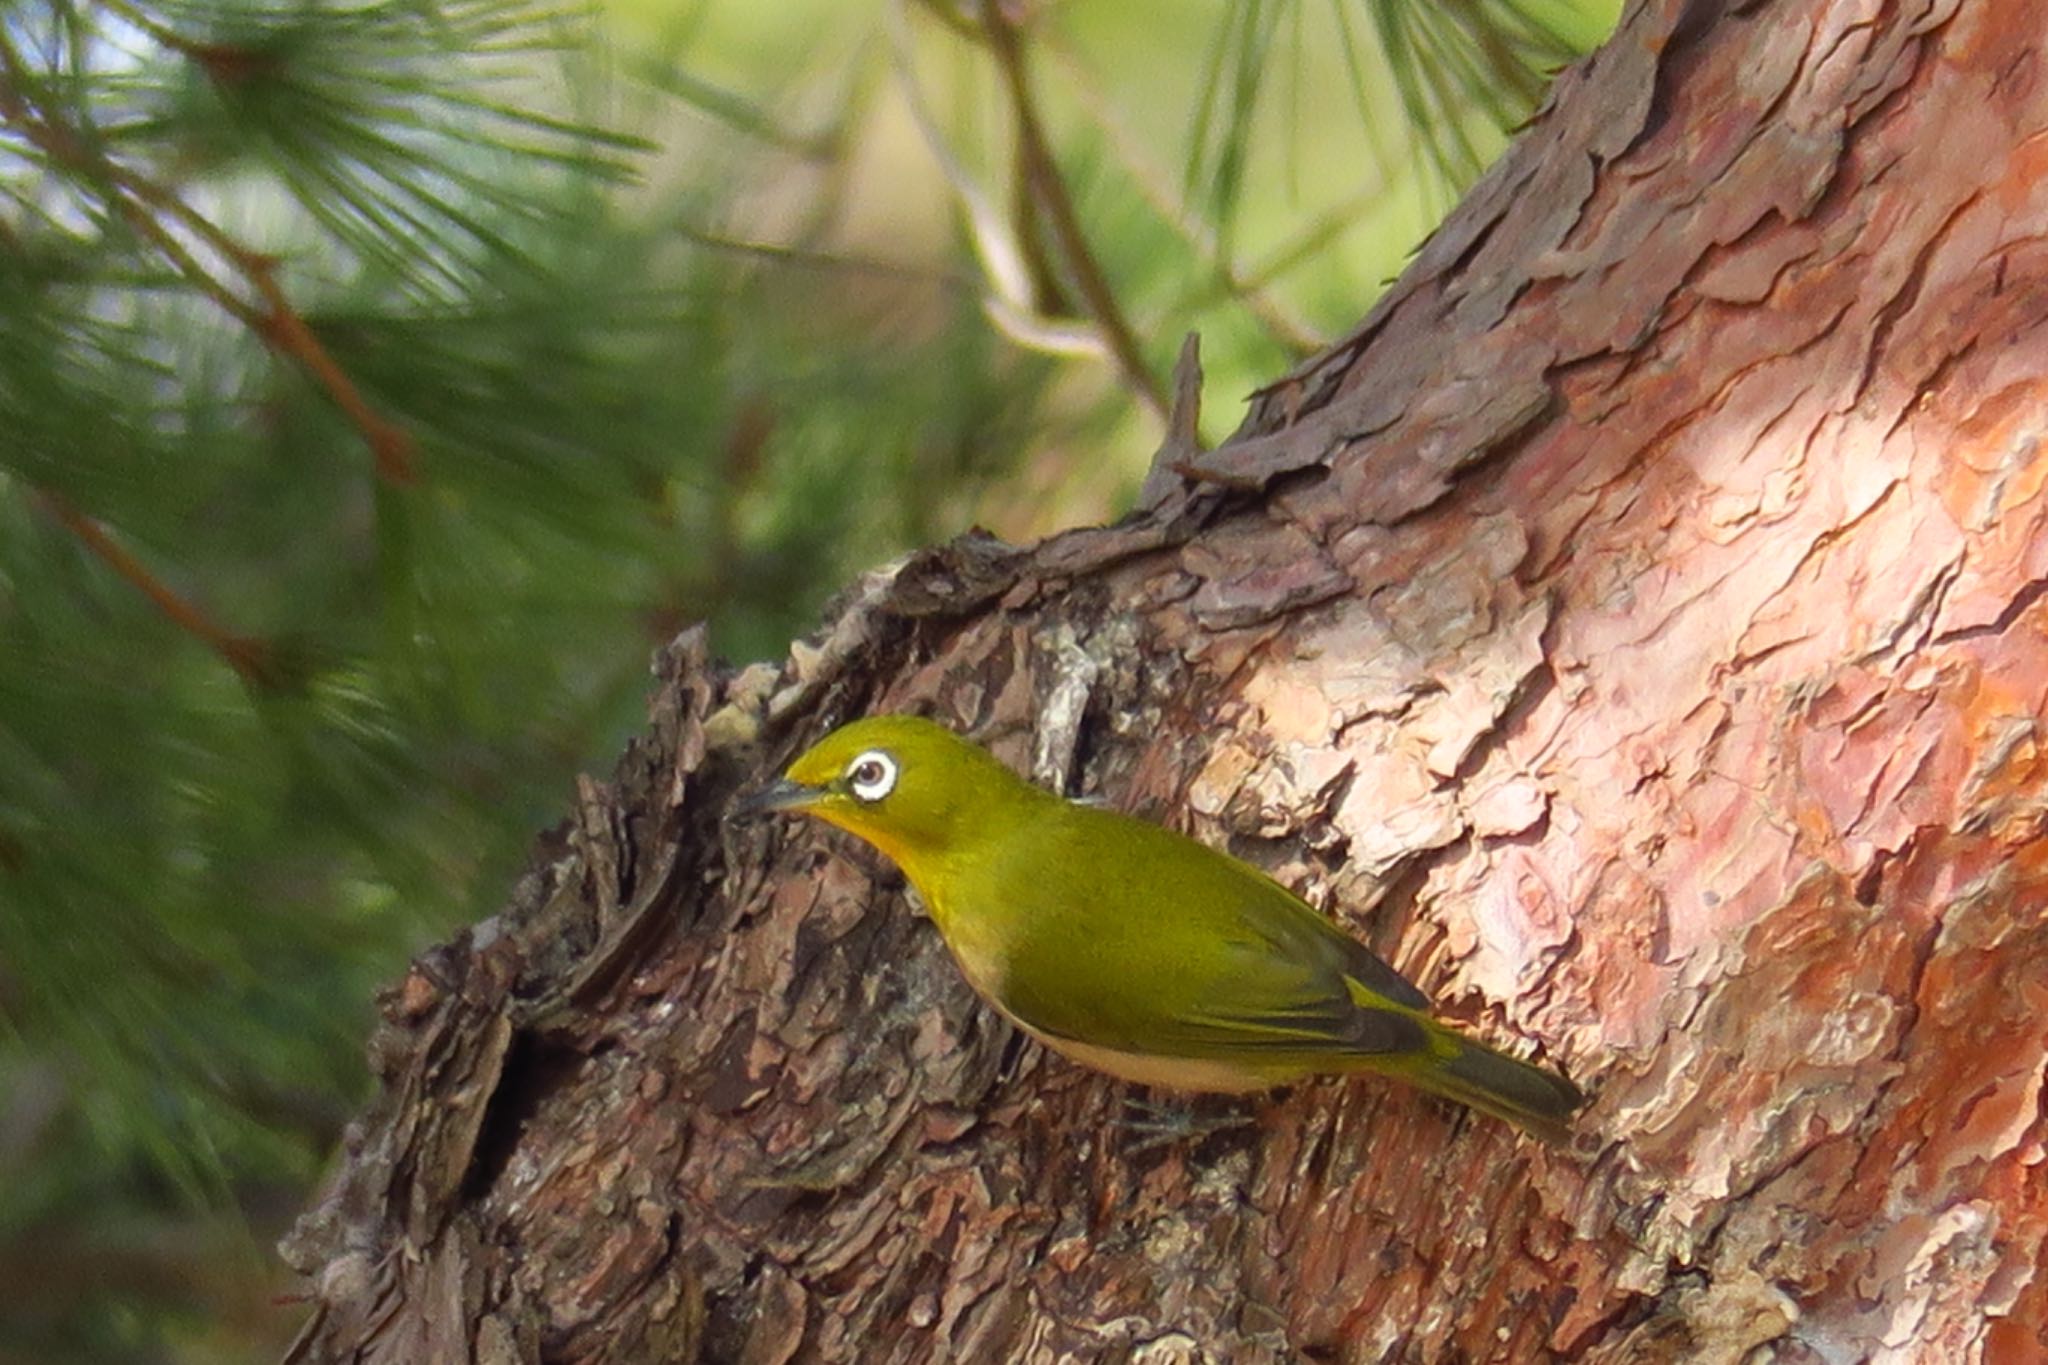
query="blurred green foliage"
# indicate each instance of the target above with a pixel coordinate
(380, 381)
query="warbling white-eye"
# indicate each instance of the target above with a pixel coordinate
(1131, 948)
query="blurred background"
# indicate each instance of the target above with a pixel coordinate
(381, 382)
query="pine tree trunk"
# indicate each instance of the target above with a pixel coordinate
(1633, 631)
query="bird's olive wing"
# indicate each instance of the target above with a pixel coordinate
(1298, 932)
(1243, 994)
(1160, 1024)
(1119, 934)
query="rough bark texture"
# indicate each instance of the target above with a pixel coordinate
(1634, 631)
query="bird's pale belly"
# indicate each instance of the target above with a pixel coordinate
(980, 946)
(1199, 1074)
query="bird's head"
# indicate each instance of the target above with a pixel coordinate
(910, 787)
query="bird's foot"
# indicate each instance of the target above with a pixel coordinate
(1164, 1123)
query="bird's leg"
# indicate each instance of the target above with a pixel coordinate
(1172, 1119)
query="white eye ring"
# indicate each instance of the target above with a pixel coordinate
(872, 776)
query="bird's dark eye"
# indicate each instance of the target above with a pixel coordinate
(872, 776)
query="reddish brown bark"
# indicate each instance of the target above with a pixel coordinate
(1634, 631)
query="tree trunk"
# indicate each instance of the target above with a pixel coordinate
(1633, 631)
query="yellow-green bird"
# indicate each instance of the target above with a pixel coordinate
(1130, 948)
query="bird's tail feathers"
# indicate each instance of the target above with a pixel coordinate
(1538, 1101)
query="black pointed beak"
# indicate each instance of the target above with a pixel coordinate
(776, 796)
